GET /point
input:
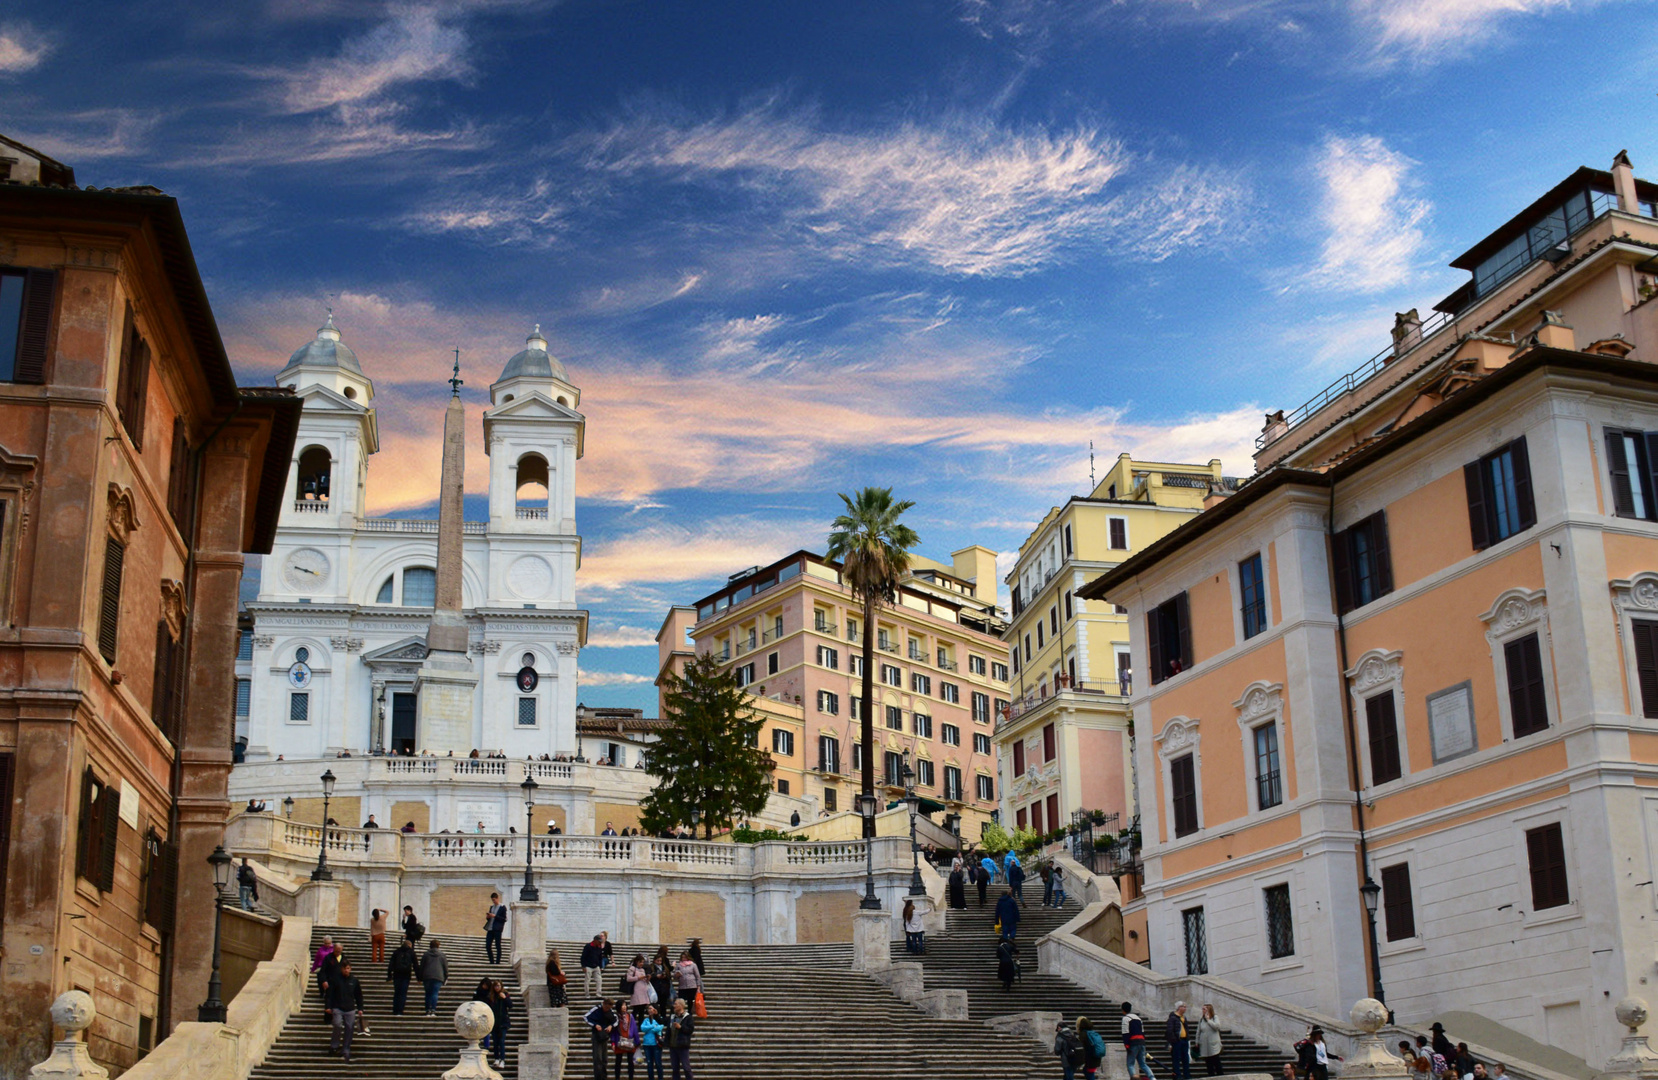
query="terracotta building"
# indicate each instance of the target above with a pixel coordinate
(1442, 706)
(134, 473)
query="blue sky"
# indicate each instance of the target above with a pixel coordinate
(788, 249)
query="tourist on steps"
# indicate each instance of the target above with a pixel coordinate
(1208, 1041)
(981, 877)
(377, 935)
(696, 956)
(399, 972)
(1059, 885)
(624, 1040)
(592, 966)
(651, 1034)
(600, 1020)
(958, 885)
(1047, 875)
(681, 1026)
(495, 922)
(434, 972)
(639, 997)
(661, 971)
(1016, 879)
(1007, 968)
(411, 925)
(500, 1003)
(1134, 1041)
(988, 865)
(1180, 1043)
(1093, 1047)
(345, 1001)
(247, 883)
(915, 937)
(557, 998)
(1007, 914)
(688, 977)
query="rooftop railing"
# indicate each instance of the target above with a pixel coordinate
(418, 526)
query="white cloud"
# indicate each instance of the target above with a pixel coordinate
(1373, 225)
(22, 48)
(1434, 29)
(709, 549)
(414, 45)
(620, 637)
(611, 678)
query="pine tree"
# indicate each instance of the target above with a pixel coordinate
(710, 758)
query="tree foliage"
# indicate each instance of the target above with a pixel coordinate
(995, 840)
(710, 757)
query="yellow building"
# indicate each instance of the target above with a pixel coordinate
(1419, 649)
(1064, 741)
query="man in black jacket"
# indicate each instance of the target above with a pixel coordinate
(592, 965)
(345, 1000)
(600, 1020)
(1179, 1040)
(681, 1026)
(400, 971)
(248, 882)
(495, 924)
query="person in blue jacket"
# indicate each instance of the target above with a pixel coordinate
(651, 1033)
(1016, 881)
(988, 865)
(1007, 913)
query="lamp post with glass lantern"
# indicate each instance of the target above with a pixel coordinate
(907, 774)
(529, 892)
(322, 873)
(212, 1011)
(868, 807)
(1372, 894)
(288, 807)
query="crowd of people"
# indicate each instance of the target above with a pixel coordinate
(657, 1006)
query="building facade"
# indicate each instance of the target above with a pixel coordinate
(134, 474)
(1064, 741)
(333, 656)
(1449, 684)
(793, 634)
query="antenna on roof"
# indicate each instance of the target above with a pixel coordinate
(1090, 466)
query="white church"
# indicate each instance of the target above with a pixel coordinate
(339, 628)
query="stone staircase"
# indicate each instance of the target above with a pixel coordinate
(964, 958)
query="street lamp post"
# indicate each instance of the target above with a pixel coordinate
(529, 891)
(212, 1011)
(917, 886)
(696, 819)
(1372, 894)
(868, 807)
(288, 807)
(322, 873)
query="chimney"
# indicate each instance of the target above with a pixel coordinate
(1623, 182)
(1407, 332)
(1553, 333)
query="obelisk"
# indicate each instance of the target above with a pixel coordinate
(447, 684)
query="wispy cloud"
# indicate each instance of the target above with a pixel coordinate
(611, 678)
(620, 637)
(93, 134)
(669, 552)
(1428, 30)
(532, 216)
(22, 48)
(1372, 222)
(414, 45)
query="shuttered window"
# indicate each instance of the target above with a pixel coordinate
(162, 685)
(26, 298)
(1397, 908)
(1119, 534)
(1183, 786)
(1252, 593)
(1362, 563)
(109, 609)
(1630, 456)
(1019, 757)
(1645, 633)
(178, 481)
(132, 389)
(1384, 738)
(1546, 852)
(7, 766)
(1050, 747)
(1527, 700)
(1499, 494)
(1169, 638)
(160, 882)
(97, 831)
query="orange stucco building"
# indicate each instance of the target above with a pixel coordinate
(1448, 685)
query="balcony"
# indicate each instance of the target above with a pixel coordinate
(311, 506)
(887, 646)
(1116, 690)
(532, 513)
(417, 526)
(823, 627)
(947, 664)
(917, 656)
(770, 636)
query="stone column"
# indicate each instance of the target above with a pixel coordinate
(447, 684)
(71, 1060)
(529, 939)
(871, 941)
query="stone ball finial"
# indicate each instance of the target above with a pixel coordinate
(1369, 1015)
(1631, 1012)
(473, 1021)
(74, 1011)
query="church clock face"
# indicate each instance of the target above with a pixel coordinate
(305, 570)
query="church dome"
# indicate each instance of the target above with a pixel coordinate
(326, 350)
(534, 362)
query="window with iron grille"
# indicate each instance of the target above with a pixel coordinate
(1183, 787)
(1546, 852)
(299, 707)
(1252, 590)
(1268, 784)
(1527, 697)
(923, 772)
(1197, 941)
(1379, 715)
(1397, 909)
(895, 718)
(949, 734)
(923, 725)
(526, 712)
(987, 787)
(1280, 922)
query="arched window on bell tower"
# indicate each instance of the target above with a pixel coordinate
(315, 474)
(530, 488)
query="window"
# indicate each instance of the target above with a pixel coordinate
(1019, 757)
(1036, 818)
(1280, 922)
(160, 881)
(855, 665)
(1119, 609)
(745, 674)
(244, 645)
(299, 707)
(828, 702)
(25, 322)
(1384, 738)
(987, 787)
(981, 743)
(829, 802)
(1363, 566)
(1183, 785)
(776, 627)
(975, 665)
(1053, 811)
(855, 708)
(1068, 614)
(822, 621)
(923, 772)
(828, 755)
(1527, 699)
(921, 684)
(1027, 647)
(1053, 620)
(1169, 638)
(782, 742)
(109, 607)
(1268, 784)
(1645, 634)
(981, 708)
(771, 664)
(1119, 534)
(857, 757)
(1125, 673)
(895, 718)
(244, 696)
(1040, 635)
(891, 675)
(1068, 547)
(420, 587)
(949, 734)
(1049, 748)
(384, 595)
(98, 831)
(1252, 590)
(302, 655)
(1499, 494)
(1397, 909)
(132, 388)
(1631, 455)
(998, 671)
(1197, 949)
(950, 692)
(1546, 852)
(165, 681)
(952, 783)
(829, 658)
(1000, 705)
(894, 772)
(526, 712)
(782, 787)
(1022, 820)
(923, 726)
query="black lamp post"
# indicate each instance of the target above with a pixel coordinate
(1372, 894)
(322, 873)
(868, 807)
(907, 774)
(288, 807)
(696, 819)
(529, 891)
(212, 1011)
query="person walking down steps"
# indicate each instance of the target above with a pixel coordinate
(592, 966)
(1134, 1042)
(399, 971)
(495, 924)
(681, 1026)
(345, 1001)
(600, 1020)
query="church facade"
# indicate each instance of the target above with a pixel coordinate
(339, 630)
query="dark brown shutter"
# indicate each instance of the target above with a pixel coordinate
(1649, 470)
(1382, 553)
(110, 830)
(1183, 616)
(1623, 497)
(1154, 645)
(140, 390)
(160, 914)
(1546, 853)
(1527, 700)
(123, 371)
(1397, 906)
(1525, 508)
(7, 763)
(109, 612)
(1341, 569)
(1473, 478)
(1646, 664)
(1384, 738)
(86, 831)
(161, 686)
(39, 288)
(178, 480)
(1183, 782)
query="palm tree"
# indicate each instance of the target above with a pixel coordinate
(873, 547)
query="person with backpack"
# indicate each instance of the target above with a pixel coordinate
(1134, 1041)
(398, 972)
(495, 924)
(1007, 914)
(411, 925)
(1059, 885)
(1016, 880)
(600, 1020)
(1093, 1047)
(1068, 1049)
